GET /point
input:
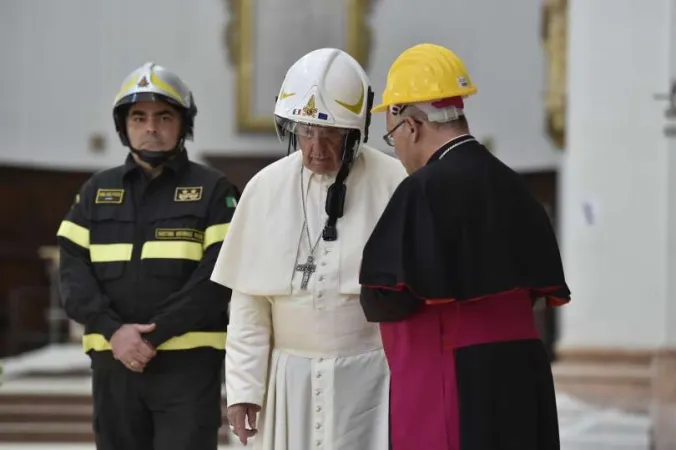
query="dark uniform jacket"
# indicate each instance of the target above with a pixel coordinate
(141, 250)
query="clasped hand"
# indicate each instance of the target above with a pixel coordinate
(130, 348)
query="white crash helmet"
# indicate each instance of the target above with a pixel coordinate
(152, 82)
(325, 88)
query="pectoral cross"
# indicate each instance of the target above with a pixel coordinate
(308, 269)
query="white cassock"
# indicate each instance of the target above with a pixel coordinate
(308, 357)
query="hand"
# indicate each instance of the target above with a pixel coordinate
(130, 348)
(238, 415)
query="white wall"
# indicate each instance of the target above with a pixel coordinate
(63, 61)
(617, 166)
(669, 318)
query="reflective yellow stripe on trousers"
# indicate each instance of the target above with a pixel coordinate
(187, 341)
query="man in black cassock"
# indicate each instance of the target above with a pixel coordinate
(452, 270)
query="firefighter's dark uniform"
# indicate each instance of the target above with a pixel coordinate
(140, 250)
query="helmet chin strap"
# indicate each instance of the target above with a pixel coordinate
(335, 198)
(154, 158)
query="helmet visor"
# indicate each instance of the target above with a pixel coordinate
(310, 131)
(139, 97)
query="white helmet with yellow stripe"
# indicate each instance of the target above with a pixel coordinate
(152, 82)
(325, 88)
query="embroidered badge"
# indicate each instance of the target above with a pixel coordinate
(182, 234)
(188, 194)
(109, 196)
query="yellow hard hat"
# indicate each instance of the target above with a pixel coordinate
(425, 73)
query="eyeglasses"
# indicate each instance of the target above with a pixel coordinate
(319, 132)
(389, 138)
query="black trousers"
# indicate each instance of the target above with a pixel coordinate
(165, 408)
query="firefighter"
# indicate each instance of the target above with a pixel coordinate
(137, 249)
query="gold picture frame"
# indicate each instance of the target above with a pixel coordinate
(239, 43)
(555, 41)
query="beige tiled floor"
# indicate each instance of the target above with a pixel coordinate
(582, 427)
(72, 447)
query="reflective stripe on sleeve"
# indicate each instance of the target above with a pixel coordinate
(75, 233)
(215, 234)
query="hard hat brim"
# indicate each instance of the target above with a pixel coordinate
(380, 108)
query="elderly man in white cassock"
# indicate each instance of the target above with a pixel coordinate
(304, 369)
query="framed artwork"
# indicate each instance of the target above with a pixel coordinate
(265, 37)
(555, 41)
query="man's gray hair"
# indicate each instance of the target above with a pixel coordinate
(428, 112)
